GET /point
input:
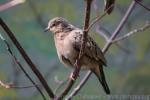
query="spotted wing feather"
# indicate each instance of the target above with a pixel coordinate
(92, 50)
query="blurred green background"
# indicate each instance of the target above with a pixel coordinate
(128, 70)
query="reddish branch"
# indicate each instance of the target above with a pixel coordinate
(84, 38)
(106, 47)
(76, 71)
(27, 59)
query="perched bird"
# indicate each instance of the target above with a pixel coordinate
(68, 41)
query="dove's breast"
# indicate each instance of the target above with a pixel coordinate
(65, 49)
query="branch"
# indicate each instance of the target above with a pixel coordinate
(101, 33)
(137, 1)
(84, 38)
(76, 71)
(47, 75)
(7, 86)
(95, 20)
(10, 4)
(10, 86)
(21, 67)
(146, 26)
(98, 26)
(107, 38)
(120, 26)
(27, 59)
(98, 30)
(105, 49)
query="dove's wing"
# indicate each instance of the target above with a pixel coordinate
(92, 50)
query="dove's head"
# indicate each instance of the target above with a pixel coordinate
(58, 24)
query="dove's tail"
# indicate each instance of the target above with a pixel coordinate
(101, 77)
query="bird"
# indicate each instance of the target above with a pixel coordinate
(68, 39)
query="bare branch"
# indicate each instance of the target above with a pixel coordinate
(27, 59)
(10, 4)
(21, 67)
(142, 5)
(106, 47)
(146, 26)
(95, 20)
(7, 86)
(106, 38)
(76, 71)
(84, 38)
(47, 75)
(98, 26)
(120, 26)
(101, 33)
(10, 86)
(23, 87)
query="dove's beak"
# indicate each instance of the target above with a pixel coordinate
(46, 29)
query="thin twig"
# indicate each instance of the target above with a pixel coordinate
(21, 67)
(146, 26)
(101, 33)
(105, 49)
(96, 7)
(120, 26)
(106, 38)
(84, 37)
(16, 72)
(23, 87)
(95, 20)
(2, 84)
(27, 59)
(47, 75)
(10, 86)
(142, 5)
(98, 26)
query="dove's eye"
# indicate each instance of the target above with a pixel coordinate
(53, 25)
